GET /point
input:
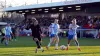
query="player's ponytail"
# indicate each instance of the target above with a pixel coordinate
(74, 21)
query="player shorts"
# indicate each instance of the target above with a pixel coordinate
(7, 36)
(53, 35)
(37, 36)
(71, 37)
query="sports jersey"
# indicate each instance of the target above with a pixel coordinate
(36, 30)
(54, 28)
(8, 30)
(72, 29)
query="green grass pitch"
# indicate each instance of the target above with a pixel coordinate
(25, 46)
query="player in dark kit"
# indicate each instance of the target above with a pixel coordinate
(36, 33)
(13, 35)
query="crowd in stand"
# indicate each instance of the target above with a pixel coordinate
(85, 22)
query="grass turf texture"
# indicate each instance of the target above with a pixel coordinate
(24, 46)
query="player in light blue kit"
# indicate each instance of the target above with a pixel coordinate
(8, 33)
(72, 34)
(53, 33)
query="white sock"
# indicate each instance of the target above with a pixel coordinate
(50, 42)
(49, 45)
(68, 45)
(56, 45)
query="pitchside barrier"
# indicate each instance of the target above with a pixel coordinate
(85, 33)
(81, 33)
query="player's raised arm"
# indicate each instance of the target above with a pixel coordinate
(77, 26)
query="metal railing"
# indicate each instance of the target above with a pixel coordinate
(92, 33)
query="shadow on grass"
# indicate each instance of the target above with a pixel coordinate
(12, 55)
(66, 54)
(70, 54)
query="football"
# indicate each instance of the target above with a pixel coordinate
(62, 47)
